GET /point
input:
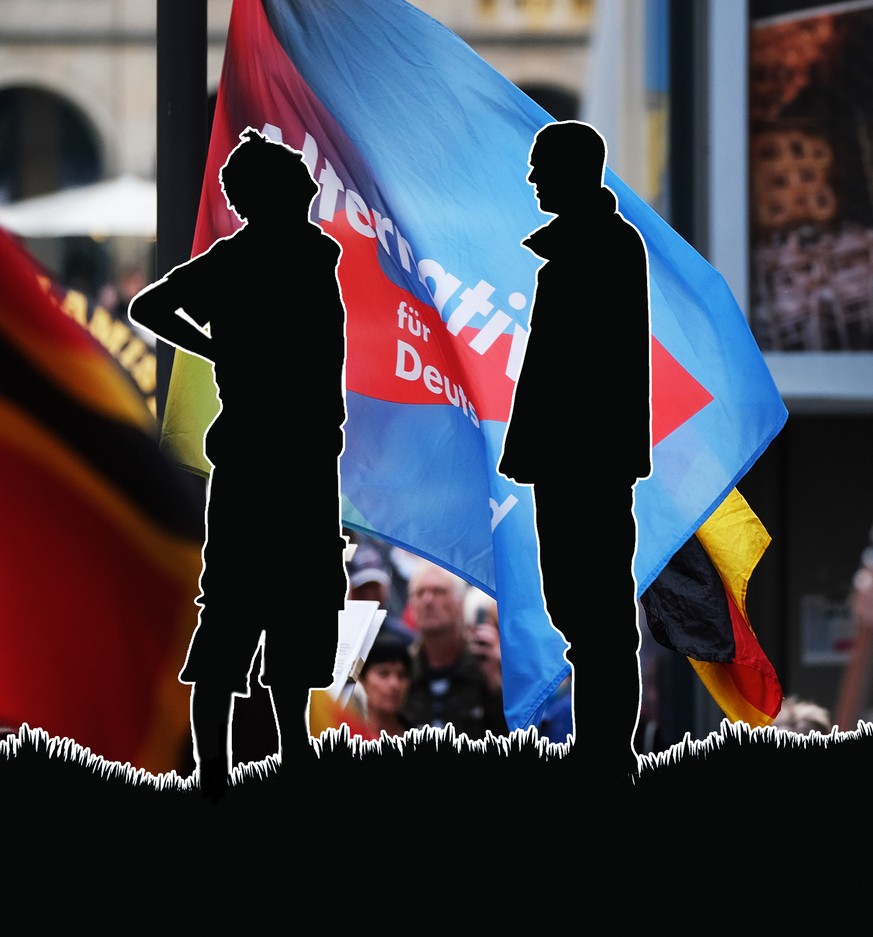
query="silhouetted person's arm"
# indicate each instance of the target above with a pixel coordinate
(155, 309)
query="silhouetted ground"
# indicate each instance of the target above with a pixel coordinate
(727, 821)
(340, 785)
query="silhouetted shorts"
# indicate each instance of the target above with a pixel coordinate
(249, 598)
(242, 572)
(223, 658)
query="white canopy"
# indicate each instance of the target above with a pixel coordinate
(126, 205)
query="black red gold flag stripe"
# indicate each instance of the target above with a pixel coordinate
(697, 607)
(102, 537)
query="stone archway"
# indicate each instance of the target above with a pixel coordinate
(46, 143)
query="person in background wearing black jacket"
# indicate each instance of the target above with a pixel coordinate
(454, 679)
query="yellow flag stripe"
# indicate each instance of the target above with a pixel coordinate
(735, 540)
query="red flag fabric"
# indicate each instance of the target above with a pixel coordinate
(102, 537)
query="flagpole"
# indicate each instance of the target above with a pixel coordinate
(687, 83)
(181, 144)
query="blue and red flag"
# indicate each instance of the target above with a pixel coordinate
(420, 150)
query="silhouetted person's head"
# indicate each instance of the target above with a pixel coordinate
(567, 162)
(263, 180)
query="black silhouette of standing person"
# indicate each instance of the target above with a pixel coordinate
(265, 306)
(579, 432)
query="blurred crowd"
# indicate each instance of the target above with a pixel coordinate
(436, 659)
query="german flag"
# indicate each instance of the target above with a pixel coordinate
(697, 606)
(100, 555)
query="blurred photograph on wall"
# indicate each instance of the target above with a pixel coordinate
(811, 175)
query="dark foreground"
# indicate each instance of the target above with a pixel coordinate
(338, 781)
(338, 827)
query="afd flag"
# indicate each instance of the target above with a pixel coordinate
(420, 150)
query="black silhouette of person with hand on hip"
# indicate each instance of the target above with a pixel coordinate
(579, 432)
(265, 306)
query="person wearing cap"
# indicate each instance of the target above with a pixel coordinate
(370, 581)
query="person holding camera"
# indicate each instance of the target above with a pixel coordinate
(456, 677)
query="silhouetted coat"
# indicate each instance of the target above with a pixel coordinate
(582, 399)
(579, 432)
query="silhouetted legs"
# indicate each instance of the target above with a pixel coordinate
(586, 553)
(211, 709)
(299, 645)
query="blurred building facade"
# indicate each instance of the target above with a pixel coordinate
(667, 82)
(78, 104)
(78, 89)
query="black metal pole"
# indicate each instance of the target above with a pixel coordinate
(181, 144)
(683, 127)
(684, 709)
